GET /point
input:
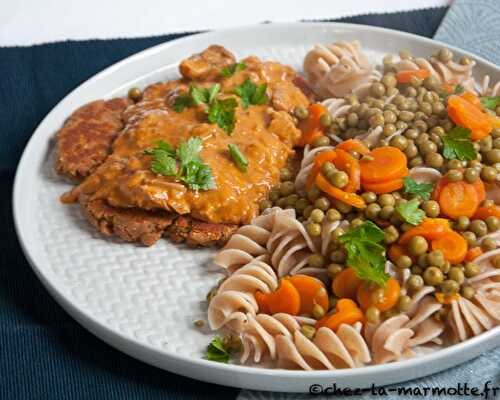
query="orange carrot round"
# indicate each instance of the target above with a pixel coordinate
(261, 299)
(471, 98)
(285, 299)
(395, 251)
(446, 298)
(488, 211)
(384, 187)
(405, 76)
(349, 198)
(391, 295)
(311, 291)
(458, 198)
(452, 245)
(429, 228)
(478, 186)
(311, 127)
(468, 115)
(347, 312)
(345, 284)
(319, 160)
(347, 163)
(353, 144)
(385, 164)
(473, 253)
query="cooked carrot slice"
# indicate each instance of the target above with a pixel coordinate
(345, 284)
(457, 199)
(430, 228)
(310, 127)
(468, 115)
(405, 76)
(353, 144)
(453, 246)
(446, 298)
(349, 198)
(347, 163)
(285, 299)
(384, 187)
(488, 211)
(386, 163)
(473, 253)
(391, 295)
(471, 98)
(319, 160)
(311, 291)
(478, 186)
(261, 299)
(347, 312)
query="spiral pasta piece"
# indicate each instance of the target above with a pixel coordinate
(339, 69)
(231, 308)
(487, 90)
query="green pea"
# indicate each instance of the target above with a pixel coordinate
(339, 179)
(369, 197)
(436, 258)
(391, 234)
(478, 227)
(287, 188)
(342, 207)
(489, 244)
(307, 211)
(321, 141)
(352, 119)
(462, 223)
(433, 276)
(317, 216)
(470, 238)
(336, 234)
(415, 162)
(285, 174)
(406, 116)
(415, 282)
(456, 274)
(488, 174)
(496, 262)
(404, 262)
(377, 90)
(454, 175)
(322, 203)
(308, 331)
(434, 160)
(318, 312)
(416, 270)
(471, 175)
(372, 210)
(313, 229)
(493, 223)
(445, 55)
(265, 204)
(338, 256)
(404, 303)
(333, 269)
(316, 260)
(417, 245)
(471, 270)
(386, 212)
(274, 195)
(301, 205)
(450, 286)
(493, 156)
(301, 112)
(431, 208)
(454, 164)
(135, 94)
(411, 151)
(372, 315)
(468, 292)
(313, 193)
(389, 80)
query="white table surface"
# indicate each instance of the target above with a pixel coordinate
(25, 22)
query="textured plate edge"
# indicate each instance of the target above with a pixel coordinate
(239, 376)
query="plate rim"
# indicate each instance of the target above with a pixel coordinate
(146, 352)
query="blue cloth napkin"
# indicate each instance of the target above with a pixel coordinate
(44, 354)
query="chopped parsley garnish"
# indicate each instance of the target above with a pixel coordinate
(216, 351)
(229, 71)
(223, 113)
(220, 112)
(250, 93)
(183, 163)
(423, 190)
(409, 212)
(490, 102)
(458, 145)
(365, 254)
(238, 157)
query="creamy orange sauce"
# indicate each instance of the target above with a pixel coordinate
(265, 134)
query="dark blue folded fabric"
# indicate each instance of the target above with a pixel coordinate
(44, 354)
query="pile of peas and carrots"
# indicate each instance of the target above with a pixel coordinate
(441, 126)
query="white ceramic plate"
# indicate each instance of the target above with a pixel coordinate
(143, 300)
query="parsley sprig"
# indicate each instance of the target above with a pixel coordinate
(250, 93)
(422, 190)
(226, 72)
(410, 212)
(216, 351)
(490, 102)
(220, 112)
(458, 145)
(183, 163)
(365, 254)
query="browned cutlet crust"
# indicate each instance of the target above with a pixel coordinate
(147, 227)
(84, 141)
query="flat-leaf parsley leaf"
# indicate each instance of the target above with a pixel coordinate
(365, 255)
(216, 351)
(490, 102)
(458, 145)
(410, 212)
(229, 71)
(250, 93)
(423, 190)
